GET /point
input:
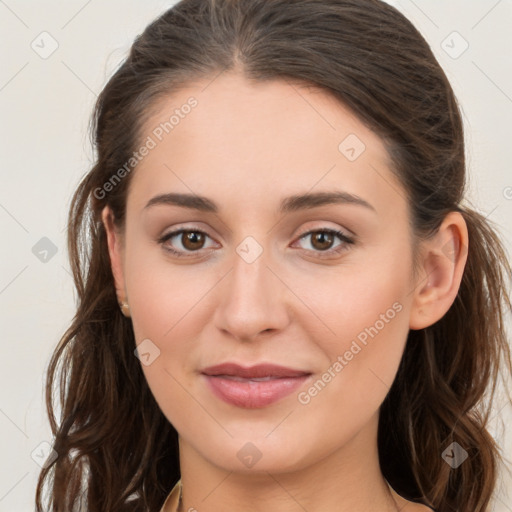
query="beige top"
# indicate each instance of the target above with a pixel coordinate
(171, 502)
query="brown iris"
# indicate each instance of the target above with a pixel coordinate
(324, 240)
(192, 240)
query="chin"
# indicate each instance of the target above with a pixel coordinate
(256, 453)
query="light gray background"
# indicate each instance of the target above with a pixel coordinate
(45, 106)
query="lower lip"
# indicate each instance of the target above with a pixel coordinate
(253, 394)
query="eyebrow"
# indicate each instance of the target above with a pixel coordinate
(288, 204)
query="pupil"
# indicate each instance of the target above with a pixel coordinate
(193, 238)
(320, 236)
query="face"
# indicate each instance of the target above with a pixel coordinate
(259, 276)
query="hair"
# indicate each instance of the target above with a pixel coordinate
(375, 62)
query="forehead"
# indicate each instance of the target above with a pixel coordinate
(259, 137)
(274, 112)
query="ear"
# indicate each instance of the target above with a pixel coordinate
(442, 265)
(116, 251)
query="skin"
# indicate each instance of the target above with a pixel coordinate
(246, 146)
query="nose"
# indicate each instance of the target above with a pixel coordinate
(252, 300)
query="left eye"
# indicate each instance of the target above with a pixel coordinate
(192, 240)
(325, 237)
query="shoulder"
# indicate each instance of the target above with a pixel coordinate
(418, 507)
(410, 506)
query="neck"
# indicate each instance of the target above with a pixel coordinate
(346, 480)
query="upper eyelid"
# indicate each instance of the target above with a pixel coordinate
(307, 231)
(346, 233)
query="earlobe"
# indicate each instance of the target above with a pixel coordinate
(115, 250)
(444, 258)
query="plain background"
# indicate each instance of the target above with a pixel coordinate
(45, 106)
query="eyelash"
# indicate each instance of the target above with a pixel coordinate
(330, 252)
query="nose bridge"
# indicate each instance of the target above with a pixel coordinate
(250, 269)
(252, 297)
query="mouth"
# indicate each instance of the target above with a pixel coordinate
(253, 387)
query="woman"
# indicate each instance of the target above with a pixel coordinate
(284, 303)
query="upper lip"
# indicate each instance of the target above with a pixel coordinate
(257, 371)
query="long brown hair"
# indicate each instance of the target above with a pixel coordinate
(116, 450)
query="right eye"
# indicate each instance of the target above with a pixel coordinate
(192, 241)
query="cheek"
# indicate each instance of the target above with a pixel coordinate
(171, 305)
(163, 296)
(366, 312)
(363, 302)
(367, 348)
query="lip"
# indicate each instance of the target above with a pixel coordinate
(255, 386)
